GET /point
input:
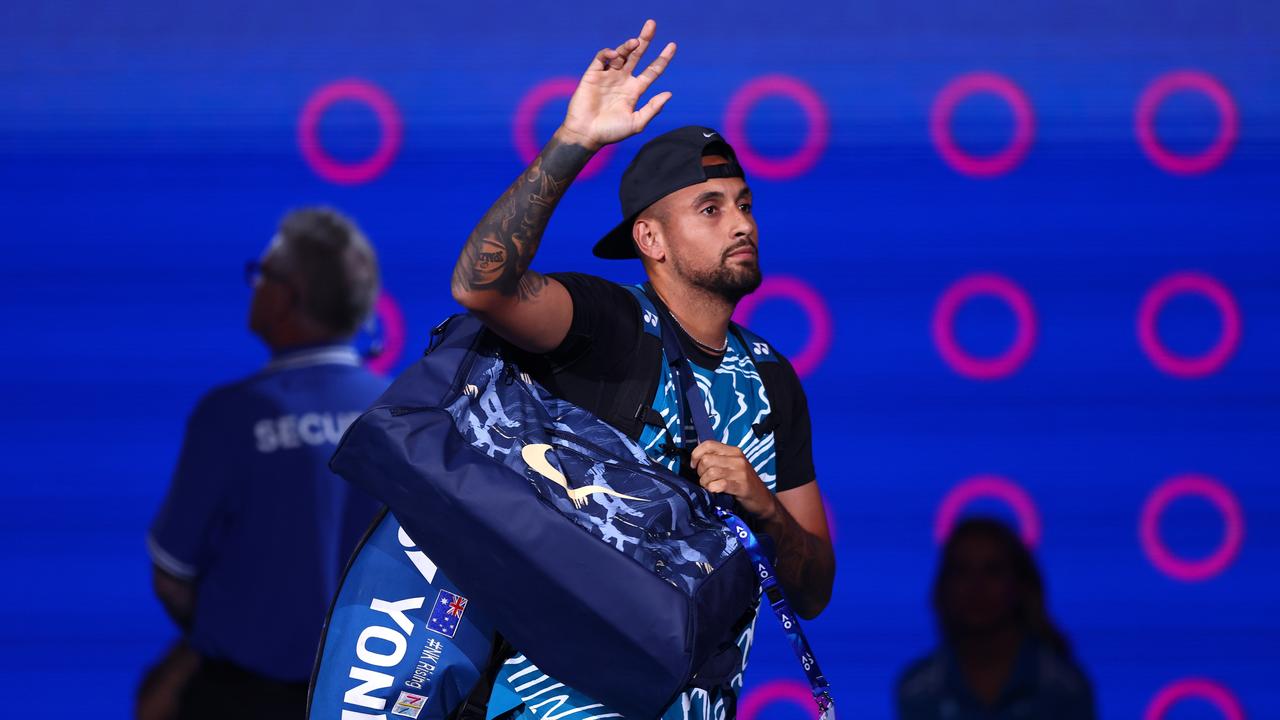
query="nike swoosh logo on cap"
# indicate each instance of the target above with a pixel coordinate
(707, 135)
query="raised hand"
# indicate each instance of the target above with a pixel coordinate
(492, 277)
(603, 108)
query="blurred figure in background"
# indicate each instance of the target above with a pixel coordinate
(253, 536)
(1001, 656)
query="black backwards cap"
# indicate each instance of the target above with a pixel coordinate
(670, 162)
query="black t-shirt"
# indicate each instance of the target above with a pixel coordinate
(607, 364)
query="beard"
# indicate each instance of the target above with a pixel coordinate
(732, 282)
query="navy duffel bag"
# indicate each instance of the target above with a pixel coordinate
(610, 573)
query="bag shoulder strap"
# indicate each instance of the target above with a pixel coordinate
(649, 318)
(651, 328)
(695, 425)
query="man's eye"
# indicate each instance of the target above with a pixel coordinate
(745, 207)
(709, 210)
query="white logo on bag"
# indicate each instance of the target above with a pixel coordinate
(419, 559)
(760, 349)
(536, 457)
(387, 652)
(650, 318)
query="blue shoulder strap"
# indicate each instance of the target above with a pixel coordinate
(695, 426)
(694, 423)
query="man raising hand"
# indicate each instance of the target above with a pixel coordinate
(687, 217)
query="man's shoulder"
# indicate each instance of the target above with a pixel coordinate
(1059, 674)
(923, 677)
(266, 387)
(605, 326)
(772, 362)
(227, 398)
(582, 285)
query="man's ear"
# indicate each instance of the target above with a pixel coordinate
(648, 238)
(280, 303)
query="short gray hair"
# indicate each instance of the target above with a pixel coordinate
(334, 264)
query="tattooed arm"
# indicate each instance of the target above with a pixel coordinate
(492, 277)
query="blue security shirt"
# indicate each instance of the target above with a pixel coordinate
(255, 519)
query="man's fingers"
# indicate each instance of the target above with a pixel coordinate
(705, 447)
(716, 486)
(618, 61)
(646, 36)
(604, 59)
(720, 464)
(627, 51)
(713, 475)
(651, 108)
(708, 449)
(656, 68)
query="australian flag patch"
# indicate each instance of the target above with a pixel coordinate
(447, 613)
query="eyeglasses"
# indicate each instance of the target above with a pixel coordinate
(255, 269)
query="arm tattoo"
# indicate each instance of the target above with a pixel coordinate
(496, 256)
(806, 565)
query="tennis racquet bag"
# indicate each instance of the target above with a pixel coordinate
(400, 639)
(610, 573)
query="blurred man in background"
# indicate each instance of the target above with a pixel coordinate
(1001, 656)
(251, 541)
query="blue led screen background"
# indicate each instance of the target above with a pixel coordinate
(1025, 254)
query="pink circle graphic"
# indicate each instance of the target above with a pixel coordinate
(524, 133)
(989, 486)
(1160, 555)
(815, 140)
(956, 296)
(1199, 688)
(352, 90)
(760, 697)
(1187, 81)
(815, 309)
(393, 331)
(1182, 283)
(944, 107)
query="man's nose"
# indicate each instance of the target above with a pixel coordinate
(743, 224)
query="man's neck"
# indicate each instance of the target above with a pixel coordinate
(291, 339)
(703, 315)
